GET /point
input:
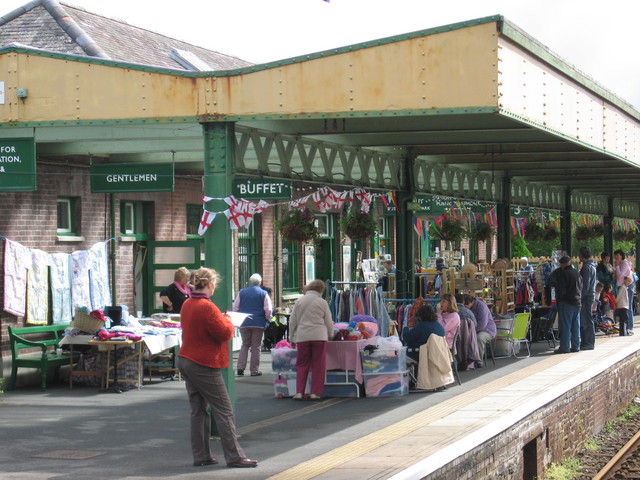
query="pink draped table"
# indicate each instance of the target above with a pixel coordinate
(345, 355)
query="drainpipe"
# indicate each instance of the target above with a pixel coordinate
(114, 248)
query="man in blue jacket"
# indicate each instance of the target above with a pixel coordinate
(254, 301)
(589, 279)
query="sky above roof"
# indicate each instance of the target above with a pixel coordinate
(598, 38)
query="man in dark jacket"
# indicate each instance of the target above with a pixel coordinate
(589, 279)
(568, 298)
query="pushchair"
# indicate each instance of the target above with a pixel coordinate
(274, 332)
(603, 324)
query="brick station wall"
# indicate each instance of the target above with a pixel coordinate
(558, 430)
(29, 218)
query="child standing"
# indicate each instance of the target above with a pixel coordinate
(608, 300)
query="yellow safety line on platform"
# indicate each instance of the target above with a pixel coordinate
(288, 416)
(368, 443)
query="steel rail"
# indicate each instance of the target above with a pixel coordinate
(619, 458)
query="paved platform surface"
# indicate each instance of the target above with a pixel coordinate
(145, 434)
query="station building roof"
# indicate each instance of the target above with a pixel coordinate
(469, 104)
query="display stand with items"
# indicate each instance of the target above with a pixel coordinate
(470, 281)
(503, 286)
(350, 364)
(428, 283)
(338, 382)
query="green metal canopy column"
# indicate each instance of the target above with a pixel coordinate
(504, 220)
(565, 227)
(219, 161)
(404, 232)
(608, 227)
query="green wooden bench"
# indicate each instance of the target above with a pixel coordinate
(45, 338)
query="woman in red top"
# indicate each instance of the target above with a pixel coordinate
(204, 352)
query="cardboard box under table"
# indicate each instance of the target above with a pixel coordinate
(385, 372)
(113, 362)
(154, 344)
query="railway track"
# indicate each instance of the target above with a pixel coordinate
(625, 465)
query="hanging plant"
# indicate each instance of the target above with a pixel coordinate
(449, 230)
(297, 226)
(620, 236)
(533, 231)
(597, 230)
(550, 233)
(583, 233)
(356, 224)
(630, 236)
(481, 232)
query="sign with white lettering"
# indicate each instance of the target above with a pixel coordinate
(256, 189)
(17, 164)
(437, 205)
(132, 177)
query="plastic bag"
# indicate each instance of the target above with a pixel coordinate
(389, 343)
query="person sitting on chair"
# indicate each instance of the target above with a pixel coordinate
(448, 316)
(486, 329)
(426, 324)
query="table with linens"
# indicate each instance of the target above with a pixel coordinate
(154, 344)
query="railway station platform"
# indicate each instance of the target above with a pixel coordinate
(505, 421)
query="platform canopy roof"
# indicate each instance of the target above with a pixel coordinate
(452, 110)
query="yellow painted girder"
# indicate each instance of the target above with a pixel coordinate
(453, 69)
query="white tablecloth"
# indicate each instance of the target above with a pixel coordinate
(154, 343)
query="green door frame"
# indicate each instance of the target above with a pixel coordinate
(152, 266)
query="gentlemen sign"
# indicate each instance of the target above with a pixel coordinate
(255, 189)
(17, 164)
(132, 177)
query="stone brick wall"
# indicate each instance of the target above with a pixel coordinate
(554, 432)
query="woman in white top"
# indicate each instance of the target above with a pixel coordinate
(310, 326)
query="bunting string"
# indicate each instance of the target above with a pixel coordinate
(240, 212)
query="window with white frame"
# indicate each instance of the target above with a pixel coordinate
(66, 216)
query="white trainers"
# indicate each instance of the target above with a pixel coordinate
(313, 396)
(297, 396)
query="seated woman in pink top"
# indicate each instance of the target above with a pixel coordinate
(448, 316)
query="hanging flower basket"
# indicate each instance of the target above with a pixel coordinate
(357, 225)
(481, 232)
(597, 230)
(630, 236)
(533, 231)
(583, 233)
(550, 233)
(620, 236)
(449, 230)
(297, 226)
